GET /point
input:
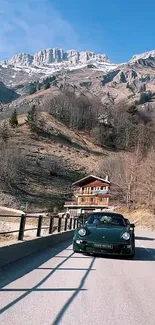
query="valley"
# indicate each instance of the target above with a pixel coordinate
(91, 115)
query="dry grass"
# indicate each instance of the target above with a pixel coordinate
(75, 149)
(141, 217)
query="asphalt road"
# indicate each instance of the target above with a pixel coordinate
(56, 286)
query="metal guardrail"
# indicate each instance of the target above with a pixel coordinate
(69, 223)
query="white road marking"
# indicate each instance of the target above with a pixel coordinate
(147, 249)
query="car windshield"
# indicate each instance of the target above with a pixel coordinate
(107, 219)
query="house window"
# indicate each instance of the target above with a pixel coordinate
(92, 199)
(83, 199)
(102, 199)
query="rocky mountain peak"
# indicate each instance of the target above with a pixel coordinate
(22, 59)
(144, 56)
(54, 55)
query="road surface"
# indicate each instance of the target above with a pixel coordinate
(56, 286)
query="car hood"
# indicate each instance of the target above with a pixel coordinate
(106, 233)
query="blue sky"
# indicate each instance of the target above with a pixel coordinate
(119, 28)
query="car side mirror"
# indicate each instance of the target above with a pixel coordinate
(132, 225)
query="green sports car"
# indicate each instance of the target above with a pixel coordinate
(105, 233)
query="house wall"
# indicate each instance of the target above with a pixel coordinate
(93, 200)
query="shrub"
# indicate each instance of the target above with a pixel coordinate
(13, 121)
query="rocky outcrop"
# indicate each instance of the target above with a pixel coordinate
(146, 59)
(22, 59)
(125, 76)
(109, 77)
(85, 83)
(143, 56)
(55, 55)
(45, 57)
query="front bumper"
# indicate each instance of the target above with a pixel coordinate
(126, 249)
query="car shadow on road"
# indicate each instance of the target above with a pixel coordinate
(144, 238)
(142, 254)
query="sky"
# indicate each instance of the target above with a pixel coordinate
(118, 28)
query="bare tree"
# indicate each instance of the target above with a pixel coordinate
(122, 170)
(5, 131)
(77, 112)
(12, 168)
(147, 180)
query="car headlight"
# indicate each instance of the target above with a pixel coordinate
(82, 232)
(126, 236)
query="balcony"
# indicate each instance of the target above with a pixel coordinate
(90, 192)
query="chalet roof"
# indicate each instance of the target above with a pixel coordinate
(90, 178)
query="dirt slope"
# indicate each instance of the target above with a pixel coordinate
(74, 153)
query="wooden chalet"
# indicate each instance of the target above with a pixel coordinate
(91, 193)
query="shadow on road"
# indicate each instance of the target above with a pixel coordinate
(76, 292)
(144, 238)
(142, 254)
(19, 268)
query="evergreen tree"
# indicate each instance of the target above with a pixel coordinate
(32, 118)
(13, 121)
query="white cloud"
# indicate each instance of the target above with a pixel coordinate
(30, 26)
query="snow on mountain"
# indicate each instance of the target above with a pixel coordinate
(48, 61)
(55, 55)
(144, 56)
(24, 67)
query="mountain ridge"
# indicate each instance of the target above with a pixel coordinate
(55, 55)
(72, 56)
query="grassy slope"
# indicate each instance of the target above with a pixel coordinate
(79, 155)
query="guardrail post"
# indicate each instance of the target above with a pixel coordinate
(59, 224)
(66, 220)
(70, 225)
(22, 227)
(40, 219)
(51, 225)
(74, 224)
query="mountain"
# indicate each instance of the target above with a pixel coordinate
(55, 55)
(82, 72)
(50, 60)
(87, 107)
(144, 56)
(23, 66)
